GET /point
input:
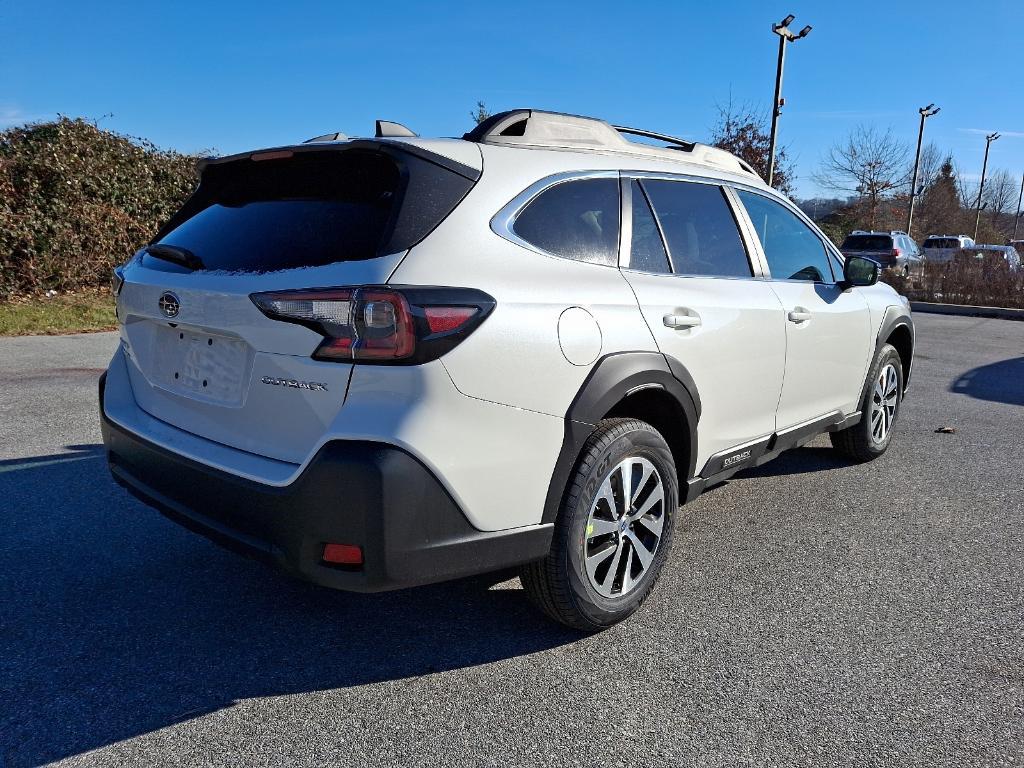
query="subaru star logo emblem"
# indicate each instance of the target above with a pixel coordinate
(169, 304)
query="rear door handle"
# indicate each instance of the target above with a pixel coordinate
(799, 315)
(681, 321)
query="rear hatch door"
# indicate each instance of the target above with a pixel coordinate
(201, 356)
(875, 247)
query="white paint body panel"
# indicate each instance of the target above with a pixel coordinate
(235, 409)
(736, 355)
(826, 355)
(515, 357)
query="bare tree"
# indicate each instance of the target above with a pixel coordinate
(481, 112)
(868, 163)
(1000, 195)
(743, 130)
(931, 161)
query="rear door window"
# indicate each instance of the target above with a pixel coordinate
(792, 249)
(577, 219)
(700, 231)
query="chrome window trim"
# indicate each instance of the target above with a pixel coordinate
(503, 222)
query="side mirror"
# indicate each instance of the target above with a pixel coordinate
(859, 271)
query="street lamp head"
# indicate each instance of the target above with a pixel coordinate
(805, 31)
(787, 21)
(992, 137)
(936, 110)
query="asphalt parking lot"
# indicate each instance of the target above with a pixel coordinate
(813, 613)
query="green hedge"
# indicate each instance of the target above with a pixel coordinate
(76, 200)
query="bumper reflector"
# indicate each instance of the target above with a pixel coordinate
(343, 554)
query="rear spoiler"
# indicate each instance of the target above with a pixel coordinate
(386, 146)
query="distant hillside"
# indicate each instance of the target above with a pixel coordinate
(820, 207)
(76, 200)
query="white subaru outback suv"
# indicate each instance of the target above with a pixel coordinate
(393, 361)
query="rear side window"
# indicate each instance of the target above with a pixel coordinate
(792, 249)
(699, 227)
(312, 209)
(576, 220)
(647, 251)
(867, 243)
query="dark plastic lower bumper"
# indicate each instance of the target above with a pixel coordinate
(368, 494)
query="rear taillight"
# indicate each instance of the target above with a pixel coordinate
(895, 253)
(381, 324)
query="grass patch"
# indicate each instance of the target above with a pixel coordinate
(78, 312)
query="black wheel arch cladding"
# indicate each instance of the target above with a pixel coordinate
(903, 327)
(612, 380)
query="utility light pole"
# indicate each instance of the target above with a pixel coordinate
(785, 36)
(981, 188)
(926, 112)
(1016, 219)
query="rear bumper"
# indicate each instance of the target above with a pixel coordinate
(369, 494)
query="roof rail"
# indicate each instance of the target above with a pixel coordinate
(682, 143)
(539, 129)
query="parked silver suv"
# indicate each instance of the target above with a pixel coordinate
(943, 248)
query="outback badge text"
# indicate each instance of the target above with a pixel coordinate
(313, 386)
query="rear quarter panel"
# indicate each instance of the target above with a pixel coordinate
(515, 357)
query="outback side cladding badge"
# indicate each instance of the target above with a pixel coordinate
(312, 386)
(736, 459)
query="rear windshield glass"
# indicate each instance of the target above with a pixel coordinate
(942, 242)
(867, 243)
(299, 212)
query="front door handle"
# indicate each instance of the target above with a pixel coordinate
(799, 315)
(681, 321)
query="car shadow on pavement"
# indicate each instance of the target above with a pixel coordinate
(1001, 382)
(798, 461)
(116, 622)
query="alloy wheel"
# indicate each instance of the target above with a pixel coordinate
(624, 527)
(884, 400)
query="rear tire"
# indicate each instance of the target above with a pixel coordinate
(614, 529)
(870, 437)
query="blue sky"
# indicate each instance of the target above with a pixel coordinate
(232, 76)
